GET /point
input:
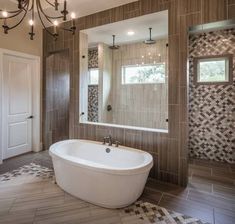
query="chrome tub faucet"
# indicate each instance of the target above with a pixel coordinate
(110, 141)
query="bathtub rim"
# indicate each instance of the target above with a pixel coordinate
(142, 168)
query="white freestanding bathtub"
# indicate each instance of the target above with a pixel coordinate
(107, 176)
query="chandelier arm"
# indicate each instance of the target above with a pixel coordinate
(12, 16)
(16, 13)
(17, 24)
(65, 29)
(39, 8)
(50, 3)
(11, 12)
(27, 3)
(32, 6)
(40, 17)
(47, 16)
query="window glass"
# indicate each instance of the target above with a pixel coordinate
(213, 70)
(93, 76)
(143, 74)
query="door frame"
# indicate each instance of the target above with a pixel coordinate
(36, 93)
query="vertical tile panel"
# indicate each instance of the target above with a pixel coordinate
(231, 11)
(189, 6)
(131, 10)
(214, 10)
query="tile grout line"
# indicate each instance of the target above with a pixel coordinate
(187, 195)
(12, 204)
(160, 199)
(213, 215)
(35, 214)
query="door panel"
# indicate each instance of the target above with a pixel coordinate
(18, 134)
(17, 106)
(19, 87)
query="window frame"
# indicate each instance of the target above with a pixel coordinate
(142, 83)
(228, 57)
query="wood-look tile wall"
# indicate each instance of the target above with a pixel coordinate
(170, 150)
(56, 98)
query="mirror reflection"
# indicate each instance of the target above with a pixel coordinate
(124, 73)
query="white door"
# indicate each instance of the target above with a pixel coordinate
(17, 106)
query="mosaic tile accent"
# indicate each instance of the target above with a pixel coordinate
(93, 99)
(32, 170)
(212, 107)
(151, 213)
(93, 58)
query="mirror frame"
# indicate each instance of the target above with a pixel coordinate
(156, 130)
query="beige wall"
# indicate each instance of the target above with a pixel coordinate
(18, 40)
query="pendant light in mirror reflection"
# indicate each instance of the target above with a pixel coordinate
(150, 40)
(30, 8)
(114, 46)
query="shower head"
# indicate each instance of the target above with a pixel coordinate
(150, 40)
(114, 46)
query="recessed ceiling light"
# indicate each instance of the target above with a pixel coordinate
(130, 33)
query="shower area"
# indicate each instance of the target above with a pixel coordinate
(212, 107)
(118, 96)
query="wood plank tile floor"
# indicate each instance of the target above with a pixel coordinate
(209, 196)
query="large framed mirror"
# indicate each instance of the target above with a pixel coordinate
(124, 74)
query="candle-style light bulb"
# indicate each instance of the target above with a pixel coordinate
(73, 15)
(73, 27)
(5, 14)
(5, 26)
(55, 23)
(31, 22)
(31, 33)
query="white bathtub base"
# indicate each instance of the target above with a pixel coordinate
(105, 189)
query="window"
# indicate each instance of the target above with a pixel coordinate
(94, 76)
(143, 74)
(213, 69)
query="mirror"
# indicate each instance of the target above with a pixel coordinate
(124, 73)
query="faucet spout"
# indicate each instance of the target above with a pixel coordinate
(108, 140)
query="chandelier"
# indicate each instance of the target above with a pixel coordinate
(35, 6)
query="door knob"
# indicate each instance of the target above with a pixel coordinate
(30, 117)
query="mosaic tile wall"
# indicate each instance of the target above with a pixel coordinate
(212, 107)
(93, 58)
(93, 89)
(93, 107)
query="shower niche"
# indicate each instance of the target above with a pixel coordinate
(124, 74)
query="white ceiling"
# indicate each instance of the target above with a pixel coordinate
(140, 25)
